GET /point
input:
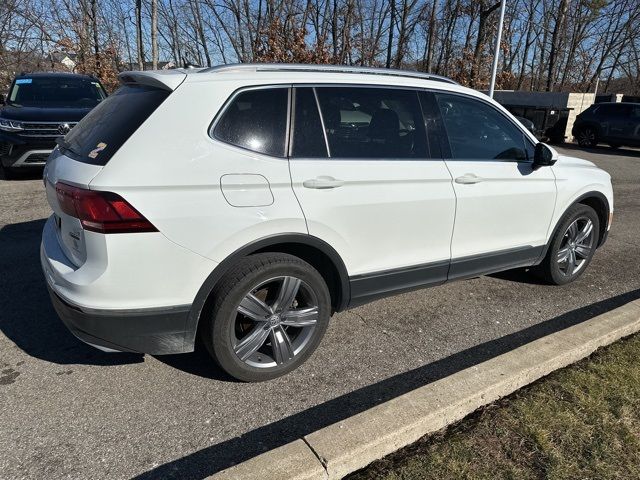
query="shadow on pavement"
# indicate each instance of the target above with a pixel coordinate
(602, 149)
(26, 315)
(210, 460)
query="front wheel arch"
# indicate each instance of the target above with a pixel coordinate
(595, 200)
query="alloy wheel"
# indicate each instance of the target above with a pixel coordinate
(575, 248)
(274, 321)
(586, 137)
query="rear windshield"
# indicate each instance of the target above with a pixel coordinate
(104, 130)
(61, 92)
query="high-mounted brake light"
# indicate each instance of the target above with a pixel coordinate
(102, 212)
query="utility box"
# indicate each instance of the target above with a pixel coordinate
(552, 113)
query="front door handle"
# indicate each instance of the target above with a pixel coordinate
(468, 179)
(323, 182)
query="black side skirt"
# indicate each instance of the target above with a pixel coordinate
(372, 286)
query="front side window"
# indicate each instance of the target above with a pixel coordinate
(478, 131)
(372, 122)
(256, 120)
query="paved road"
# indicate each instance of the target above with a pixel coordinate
(69, 411)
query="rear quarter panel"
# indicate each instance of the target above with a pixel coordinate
(171, 171)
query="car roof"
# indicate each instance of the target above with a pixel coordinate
(249, 74)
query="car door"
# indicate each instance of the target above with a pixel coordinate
(363, 172)
(504, 206)
(620, 123)
(631, 128)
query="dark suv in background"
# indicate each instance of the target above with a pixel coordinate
(617, 124)
(39, 108)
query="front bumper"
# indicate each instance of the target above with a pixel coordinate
(153, 331)
(33, 154)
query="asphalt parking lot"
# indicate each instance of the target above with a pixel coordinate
(70, 411)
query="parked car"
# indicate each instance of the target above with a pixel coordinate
(248, 203)
(39, 108)
(616, 124)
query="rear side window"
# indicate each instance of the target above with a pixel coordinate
(308, 138)
(107, 127)
(256, 120)
(363, 122)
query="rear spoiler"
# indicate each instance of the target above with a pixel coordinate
(165, 79)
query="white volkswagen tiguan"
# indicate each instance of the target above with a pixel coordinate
(245, 204)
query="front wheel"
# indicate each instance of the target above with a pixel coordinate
(572, 246)
(270, 312)
(587, 137)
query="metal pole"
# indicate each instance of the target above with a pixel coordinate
(496, 55)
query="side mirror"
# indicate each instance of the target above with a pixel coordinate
(544, 156)
(2, 100)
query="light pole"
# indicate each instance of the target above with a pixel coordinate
(496, 54)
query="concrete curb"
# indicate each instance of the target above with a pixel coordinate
(346, 446)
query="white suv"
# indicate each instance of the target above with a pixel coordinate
(245, 204)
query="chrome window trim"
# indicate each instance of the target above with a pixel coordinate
(324, 129)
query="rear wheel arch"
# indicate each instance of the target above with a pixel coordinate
(312, 250)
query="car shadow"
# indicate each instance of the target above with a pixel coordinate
(519, 275)
(602, 149)
(207, 461)
(27, 317)
(34, 173)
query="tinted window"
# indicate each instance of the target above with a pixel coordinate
(105, 128)
(56, 92)
(372, 122)
(478, 131)
(612, 110)
(308, 139)
(256, 120)
(433, 123)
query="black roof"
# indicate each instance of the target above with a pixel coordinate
(55, 74)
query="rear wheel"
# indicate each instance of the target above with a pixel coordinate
(270, 313)
(572, 247)
(587, 137)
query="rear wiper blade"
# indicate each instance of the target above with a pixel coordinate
(64, 145)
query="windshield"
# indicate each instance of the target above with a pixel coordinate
(56, 92)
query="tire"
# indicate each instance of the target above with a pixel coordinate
(587, 137)
(249, 316)
(567, 245)
(7, 173)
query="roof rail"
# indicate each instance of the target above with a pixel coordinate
(301, 67)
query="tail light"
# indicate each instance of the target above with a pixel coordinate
(103, 212)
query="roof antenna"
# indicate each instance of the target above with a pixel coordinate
(189, 65)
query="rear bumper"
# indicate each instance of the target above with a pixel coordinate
(157, 331)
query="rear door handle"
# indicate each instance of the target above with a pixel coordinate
(323, 182)
(468, 179)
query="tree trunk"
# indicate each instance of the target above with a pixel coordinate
(562, 11)
(392, 21)
(140, 47)
(154, 34)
